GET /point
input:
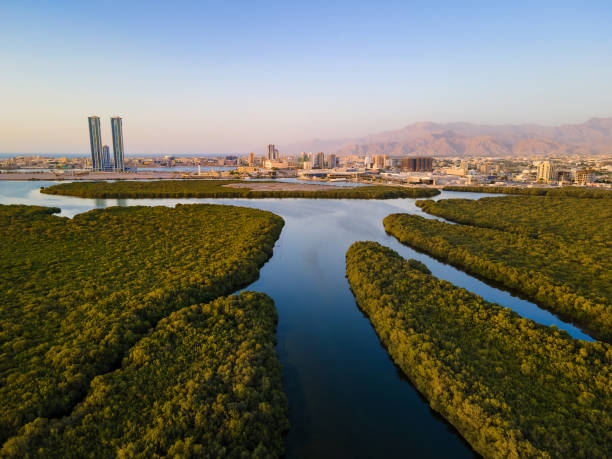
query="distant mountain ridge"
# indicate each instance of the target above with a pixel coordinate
(467, 139)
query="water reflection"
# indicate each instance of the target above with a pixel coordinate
(346, 398)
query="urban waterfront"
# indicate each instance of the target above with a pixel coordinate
(346, 396)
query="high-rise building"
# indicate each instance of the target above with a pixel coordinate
(417, 164)
(546, 171)
(106, 162)
(332, 161)
(117, 129)
(379, 161)
(251, 159)
(319, 161)
(95, 141)
(272, 153)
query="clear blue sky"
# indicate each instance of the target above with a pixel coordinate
(227, 76)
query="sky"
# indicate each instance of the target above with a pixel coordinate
(231, 76)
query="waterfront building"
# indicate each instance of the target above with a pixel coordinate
(272, 153)
(251, 159)
(319, 161)
(106, 162)
(117, 129)
(546, 171)
(332, 161)
(418, 164)
(95, 142)
(584, 177)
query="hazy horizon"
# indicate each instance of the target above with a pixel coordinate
(192, 78)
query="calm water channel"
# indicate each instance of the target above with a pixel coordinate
(347, 399)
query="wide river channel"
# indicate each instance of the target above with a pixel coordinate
(347, 398)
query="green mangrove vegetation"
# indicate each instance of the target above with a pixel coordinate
(204, 383)
(218, 189)
(512, 387)
(574, 220)
(575, 192)
(554, 251)
(77, 294)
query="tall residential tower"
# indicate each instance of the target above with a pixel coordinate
(95, 141)
(117, 143)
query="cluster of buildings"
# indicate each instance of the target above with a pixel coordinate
(524, 171)
(100, 154)
(516, 171)
(40, 163)
(309, 161)
(438, 171)
(549, 172)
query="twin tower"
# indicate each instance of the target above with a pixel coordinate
(100, 156)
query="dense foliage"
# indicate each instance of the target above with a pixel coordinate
(76, 294)
(567, 270)
(513, 388)
(574, 220)
(205, 382)
(218, 189)
(575, 192)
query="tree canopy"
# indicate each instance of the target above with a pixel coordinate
(554, 251)
(76, 295)
(512, 387)
(567, 191)
(219, 189)
(204, 382)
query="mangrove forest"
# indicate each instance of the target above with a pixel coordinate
(554, 251)
(219, 189)
(512, 387)
(204, 383)
(78, 294)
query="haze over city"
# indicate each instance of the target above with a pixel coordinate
(192, 77)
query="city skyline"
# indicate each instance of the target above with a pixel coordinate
(209, 79)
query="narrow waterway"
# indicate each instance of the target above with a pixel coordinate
(347, 399)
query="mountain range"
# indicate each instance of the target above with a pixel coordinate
(467, 139)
